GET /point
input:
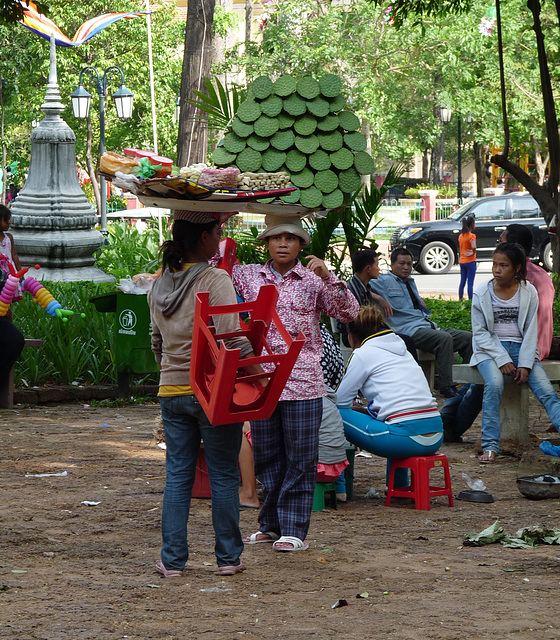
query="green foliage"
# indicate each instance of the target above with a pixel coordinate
(455, 314)
(128, 251)
(220, 103)
(80, 350)
(224, 21)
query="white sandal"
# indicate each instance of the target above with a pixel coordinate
(253, 538)
(297, 544)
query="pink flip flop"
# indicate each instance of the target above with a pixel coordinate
(231, 570)
(168, 573)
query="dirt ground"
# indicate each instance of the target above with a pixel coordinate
(71, 571)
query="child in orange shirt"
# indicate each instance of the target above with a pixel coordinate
(467, 256)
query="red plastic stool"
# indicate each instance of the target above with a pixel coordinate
(420, 489)
(201, 486)
(226, 393)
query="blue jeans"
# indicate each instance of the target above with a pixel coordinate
(468, 271)
(459, 413)
(394, 440)
(185, 425)
(538, 382)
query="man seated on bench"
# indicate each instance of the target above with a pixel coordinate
(410, 315)
(365, 265)
(459, 413)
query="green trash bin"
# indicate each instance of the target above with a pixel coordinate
(133, 332)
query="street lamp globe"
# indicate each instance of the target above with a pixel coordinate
(445, 114)
(123, 98)
(81, 100)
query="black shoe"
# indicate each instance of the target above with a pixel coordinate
(449, 436)
(448, 392)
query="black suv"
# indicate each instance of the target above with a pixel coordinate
(435, 245)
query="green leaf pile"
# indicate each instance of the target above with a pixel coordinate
(301, 127)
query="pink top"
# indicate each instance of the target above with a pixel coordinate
(303, 296)
(542, 282)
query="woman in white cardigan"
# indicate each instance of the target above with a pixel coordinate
(504, 323)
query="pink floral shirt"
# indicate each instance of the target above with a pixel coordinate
(303, 296)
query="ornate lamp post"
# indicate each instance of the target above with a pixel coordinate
(81, 100)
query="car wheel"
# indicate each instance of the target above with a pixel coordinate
(418, 268)
(547, 256)
(436, 257)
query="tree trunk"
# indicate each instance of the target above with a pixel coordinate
(426, 165)
(479, 158)
(436, 167)
(192, 143)
(4, 154)
(540, 164)
(248, 19)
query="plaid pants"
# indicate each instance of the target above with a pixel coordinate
(285, 449)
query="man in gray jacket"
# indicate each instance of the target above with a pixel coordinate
(410, 315)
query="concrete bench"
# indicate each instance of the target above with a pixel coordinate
(514, 410)
(7, 390)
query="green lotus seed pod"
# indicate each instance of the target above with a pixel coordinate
(307, 144)
(311, 197)
(294, 105)
(348, 121)
(337, 103)
(265, 126)
(308, 87)
(326, 181)
(333, 200)
(261, 87)
(285, 85)
(330, 85)
(283, 140)
(272, 159)
(249, 111)
(330, 141)
(233, 143)
(303, 179)
(364, 163)
(305, 125)
(318, 106)
(355, 141)
(328, 123)
(242, 129)
(221, 156)
(320, 160)
(271, 106)
(249, 160)
(292, 197)
(342, 159)
(349, 180)
(257, 143)
(295, 161)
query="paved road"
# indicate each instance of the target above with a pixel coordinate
(448, 284)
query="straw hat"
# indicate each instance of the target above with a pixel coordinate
(197, 217)
(276, 224)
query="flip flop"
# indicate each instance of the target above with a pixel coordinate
(297, 544)
(488, 457)
(253, 539)
(231, 570)
(244, 507)
(167, 573)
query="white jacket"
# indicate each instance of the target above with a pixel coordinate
(388, 376)
(487, 345)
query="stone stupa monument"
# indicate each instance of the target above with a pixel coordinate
(52, 220)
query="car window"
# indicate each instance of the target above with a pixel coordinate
(526, 208)
(491, 210)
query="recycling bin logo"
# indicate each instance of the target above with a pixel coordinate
(127, 322)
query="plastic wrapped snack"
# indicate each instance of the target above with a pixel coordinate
(112, 162)
(221, 178)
